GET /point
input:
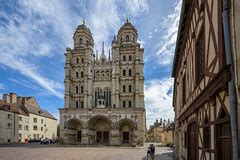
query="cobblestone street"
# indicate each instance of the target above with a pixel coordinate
(56, 152)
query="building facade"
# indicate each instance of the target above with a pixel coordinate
(161, 132)
(104, 97)
(203, 103)
(12, 122)
(22, 120)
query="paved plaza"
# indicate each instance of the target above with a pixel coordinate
(57, 152)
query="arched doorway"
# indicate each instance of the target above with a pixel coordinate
(99, 127)
(74, 131)
(126, 127)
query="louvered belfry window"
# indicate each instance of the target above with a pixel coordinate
(200, 57)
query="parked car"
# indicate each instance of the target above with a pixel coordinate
(47, 141)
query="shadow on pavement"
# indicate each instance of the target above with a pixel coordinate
(163, 156)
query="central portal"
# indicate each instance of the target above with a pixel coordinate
(100, 125)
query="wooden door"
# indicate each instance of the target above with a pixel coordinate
(105, 137)
(79, 136)
(192, 142)
(125, 137)
(224, 143)
(99, 137)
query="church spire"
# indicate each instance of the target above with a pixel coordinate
(103, 47)
(96, 55)
(103, 57)
(109, 55)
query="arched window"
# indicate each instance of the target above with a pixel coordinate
(87, 42)
(81, 74)
(129, 88)
(124, 88)
(129, 103)
(130, 58)
(124, 104)
(77, 60)
(76, 74)
(76, 89)
(124, 58)
(124, 72)
(76, 104)
(133, 39)
(82, 60)
(121, 40)
(130, 72)
(80, 40)
(81, 89)
(82, 104)
(127, 38)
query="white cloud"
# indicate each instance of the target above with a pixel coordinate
(135, 7)
(169, 28)
(106, 18)
(38, 28)
(2, 86)
(158, 100)
(54, 88)
(103, 22)
(27, 33)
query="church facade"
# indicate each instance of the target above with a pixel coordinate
(104, 96)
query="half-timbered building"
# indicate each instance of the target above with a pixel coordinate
(203, 116)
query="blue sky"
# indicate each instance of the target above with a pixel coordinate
(34, 35)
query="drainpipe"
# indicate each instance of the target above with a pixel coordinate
(231, 83)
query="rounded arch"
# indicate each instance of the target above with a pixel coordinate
(126, 128)
(125, 121)
(98, 118)
(73, 121)
(73, 129)
(100, 127)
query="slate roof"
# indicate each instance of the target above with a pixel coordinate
(11, 108)
(38, 111)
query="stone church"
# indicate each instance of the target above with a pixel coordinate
(104, 96)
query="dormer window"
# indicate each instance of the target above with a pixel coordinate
(127, 38)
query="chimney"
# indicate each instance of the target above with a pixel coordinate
(13, 97)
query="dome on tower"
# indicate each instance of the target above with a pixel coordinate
(127, 34)
(83, 27)
(83, 36)
(127, 26)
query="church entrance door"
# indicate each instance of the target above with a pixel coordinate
(125, 137)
